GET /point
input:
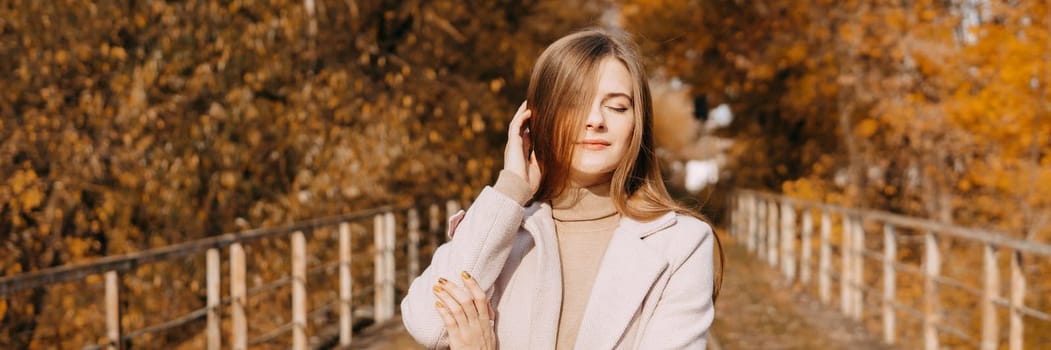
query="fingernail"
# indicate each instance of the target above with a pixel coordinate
(438, 289)
(438, 304)
(465, 275)
(442, 281)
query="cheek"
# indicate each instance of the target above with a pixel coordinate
(622, 132)
(622, 135)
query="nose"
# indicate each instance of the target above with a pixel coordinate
(596, 121)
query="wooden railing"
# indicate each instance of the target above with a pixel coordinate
(768, 226)
(382, 309)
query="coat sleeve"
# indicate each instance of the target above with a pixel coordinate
(685, 310)
(480, 246)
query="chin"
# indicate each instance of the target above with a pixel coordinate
(596, 171)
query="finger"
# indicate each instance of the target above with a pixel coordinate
(464, 299)
(516, 122)
(533, 171)
(517, 129)
(481, 301)
(527, 134)
(447, 317)
(451, 304)
(523, 117)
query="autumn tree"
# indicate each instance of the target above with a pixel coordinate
(132, 125)
(935, 109)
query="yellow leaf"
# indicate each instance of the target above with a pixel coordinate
(496, 84)
(32, 198)
(866, 128)
(61, 57)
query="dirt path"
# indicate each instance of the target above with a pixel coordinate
(759, 310)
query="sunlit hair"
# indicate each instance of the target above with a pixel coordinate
(561, 90)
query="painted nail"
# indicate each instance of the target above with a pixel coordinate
(442, 281)
(438, 304)
(438, 289)
(465, 275)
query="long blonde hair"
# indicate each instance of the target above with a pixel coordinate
(560, 92)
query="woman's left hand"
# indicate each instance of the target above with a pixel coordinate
(466, 313)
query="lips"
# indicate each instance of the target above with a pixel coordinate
(594, 144)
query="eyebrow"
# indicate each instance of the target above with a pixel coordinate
(618, 94)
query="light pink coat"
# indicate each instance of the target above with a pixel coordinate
(653, 289)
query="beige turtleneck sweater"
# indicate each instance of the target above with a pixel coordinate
(585, 219)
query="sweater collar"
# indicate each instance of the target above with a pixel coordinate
(539, 216)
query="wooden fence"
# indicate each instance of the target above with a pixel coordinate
(769, 226)
(382, 288)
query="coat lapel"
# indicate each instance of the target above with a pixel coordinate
(628, 272)
(547, 301)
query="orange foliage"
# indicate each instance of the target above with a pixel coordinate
(131, 125)
(904, 107)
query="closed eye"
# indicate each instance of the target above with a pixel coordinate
(618, 109)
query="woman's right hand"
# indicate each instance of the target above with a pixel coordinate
(518, 158)
(466, 313)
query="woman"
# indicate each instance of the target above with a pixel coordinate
(578, 244)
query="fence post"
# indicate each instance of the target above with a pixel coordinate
(346, 285)
(742, 219)
(749, 224)
(991, 291)
(772, 233)
(379, 245)
(761, 228)
(434, 227)
(890, 254)
(414, 242)
(388, 254)
(824, 258)
(214, 336)
(808, 231)
(299, 291)
(858, 264)
(113, 310)
(846, 250)
(750, 218)
(237, 297)
(788, 240)
(1016, 330)
(932, 269)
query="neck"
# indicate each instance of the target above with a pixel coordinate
(579, 179)
(578, 203)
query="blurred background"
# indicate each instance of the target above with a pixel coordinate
(130, 125)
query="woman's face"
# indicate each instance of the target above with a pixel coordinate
(604, 141)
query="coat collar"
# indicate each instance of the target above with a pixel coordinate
(627, 273)
(647, 228)
(547, 302)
